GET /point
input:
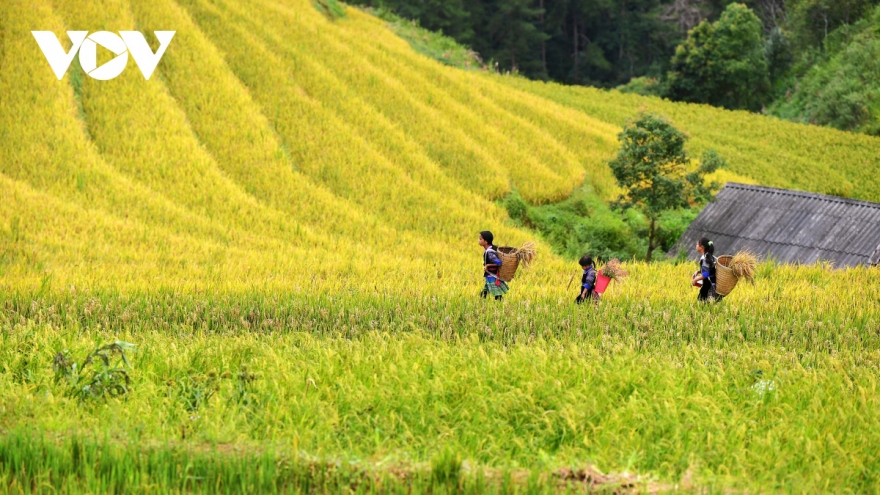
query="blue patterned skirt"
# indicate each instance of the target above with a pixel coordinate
(495, 290)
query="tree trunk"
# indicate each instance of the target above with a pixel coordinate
(650, 242)
(512, 51)
(825, 16)
(622, 30)
(575, 77)
(543, 42)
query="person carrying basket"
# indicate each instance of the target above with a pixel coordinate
(705, 277)
(491, 265)
(588, 280)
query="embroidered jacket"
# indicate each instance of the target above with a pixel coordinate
(588, 281)
(707, 268)
(490, 257)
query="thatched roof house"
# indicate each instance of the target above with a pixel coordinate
(787, 226)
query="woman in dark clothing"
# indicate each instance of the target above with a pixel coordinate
(706, 275)
(491, 264)
(588, 280)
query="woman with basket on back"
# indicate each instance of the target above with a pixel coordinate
(705, 277)
(491, 265)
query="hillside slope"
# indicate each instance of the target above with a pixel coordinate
(273, 147)
(840, 89)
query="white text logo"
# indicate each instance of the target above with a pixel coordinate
(86, 44)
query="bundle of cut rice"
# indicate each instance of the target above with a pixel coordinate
(511, 258)
(729, 269)
(743, 265)
(526, 254)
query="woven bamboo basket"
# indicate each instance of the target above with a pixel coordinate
(725, 280)
(509, 263)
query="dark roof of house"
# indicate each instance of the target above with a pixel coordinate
(787, 226)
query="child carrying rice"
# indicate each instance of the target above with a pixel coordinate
(706, 275)
(588, 280)
(491, 264)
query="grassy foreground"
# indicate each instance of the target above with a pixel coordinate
(773, 389)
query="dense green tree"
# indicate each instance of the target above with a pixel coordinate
(451, 17)
(811, 21)
(779, 55)
(513, 30)
(597, 42)
(722, 63)
(842, 91)
(655, 173)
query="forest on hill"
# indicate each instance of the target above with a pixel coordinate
(811, 61)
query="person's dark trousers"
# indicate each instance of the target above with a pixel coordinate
(580, 299)
(707, 293)
(485, 293)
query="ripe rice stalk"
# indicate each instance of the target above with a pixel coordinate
(526, 253)
(743, 265)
